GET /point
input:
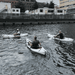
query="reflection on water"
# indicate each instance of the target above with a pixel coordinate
(17, 59)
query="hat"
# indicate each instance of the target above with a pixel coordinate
(17, 29)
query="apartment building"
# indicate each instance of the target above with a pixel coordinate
(45, 10)
(66, 4)
(28, 3)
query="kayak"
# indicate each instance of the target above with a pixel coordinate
(39, 51)
(65, 38)
(12, 36)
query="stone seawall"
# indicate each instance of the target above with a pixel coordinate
(35, 21)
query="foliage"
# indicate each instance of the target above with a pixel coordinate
(46, 5)
(51, 5)
(21, 6)
(35, 5)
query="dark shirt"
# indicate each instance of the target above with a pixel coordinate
(61, 35)
(35, 44)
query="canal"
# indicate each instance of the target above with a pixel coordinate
(17, 59)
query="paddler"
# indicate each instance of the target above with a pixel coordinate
(17, 33)
(60, 35)
(35, 44)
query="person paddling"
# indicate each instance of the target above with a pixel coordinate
(35, 44)
(17, 33)
(60, 35)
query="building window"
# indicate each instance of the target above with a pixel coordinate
(27, 0)
(62, 7)
(71, 0)
(73, 4)
(64, 2)
(22, 0)
(13, 10)
(61, 0)
(12, 2)
(59, 11)
(30, 7)
(13, 14)
(67, 5)
(32, 0)
(27, 3)
(50, 11)
(41, 10)
(17, 10)
(15, 2)
(17, 14)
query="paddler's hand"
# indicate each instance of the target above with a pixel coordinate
(54, 36)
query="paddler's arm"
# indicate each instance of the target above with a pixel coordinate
(56, 35)
(39, 44)
(30, 43)
(14, 33)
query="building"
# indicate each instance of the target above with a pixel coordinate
(28, 3)
(66, 4)
(13, 2)
(45, 10)
(41, 5)
(15, 10)
(71, 11)
(6, 8)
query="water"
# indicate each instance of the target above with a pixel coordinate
(17, 59)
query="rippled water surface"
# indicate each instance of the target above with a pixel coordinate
(17, 59)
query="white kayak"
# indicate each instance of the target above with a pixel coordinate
(12, 36)
(40, 50)
(65, 38)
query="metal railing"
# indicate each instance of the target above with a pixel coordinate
(26, 16)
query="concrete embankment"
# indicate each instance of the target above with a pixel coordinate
(35, 21)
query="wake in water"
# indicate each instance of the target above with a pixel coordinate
(64, 55)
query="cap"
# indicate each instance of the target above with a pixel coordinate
(17, 29)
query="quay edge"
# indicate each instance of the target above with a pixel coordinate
(35, 21)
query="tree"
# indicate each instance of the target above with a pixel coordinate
(21, 6)
(46, 5)
(35, 6)
(51, 5)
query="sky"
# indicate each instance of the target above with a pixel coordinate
(55, 1)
